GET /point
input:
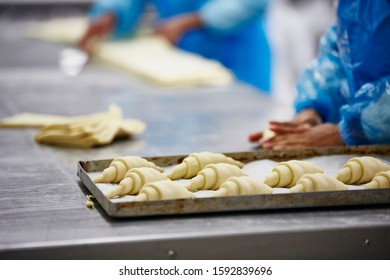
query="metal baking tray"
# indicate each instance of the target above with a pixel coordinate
(242, 203)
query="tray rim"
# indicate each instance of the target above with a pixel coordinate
(242, 203)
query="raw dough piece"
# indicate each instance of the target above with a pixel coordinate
(213, 175)
(268, 134)
(154, 59)
(287, 173)
(32, 120)
(195, 162)
(380, 181)
(150, 57)
(359, 170)
(162, 190)
(242, 186)
(318, 183)
(134, 179)
(119, 167)
(61, 30)
(89, 131)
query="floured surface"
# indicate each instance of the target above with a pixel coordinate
(258, 169)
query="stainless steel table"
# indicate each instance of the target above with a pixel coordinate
(42, 202)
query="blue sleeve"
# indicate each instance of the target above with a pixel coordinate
(127, 13)
(323, 84)
(366, 120)
(226, 15)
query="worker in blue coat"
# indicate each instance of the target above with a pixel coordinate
(344, 95)
(230, 31)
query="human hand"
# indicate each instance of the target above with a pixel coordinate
(303, 120)
(300, 123)
(97, 30)
(174, 28)
(321, 135)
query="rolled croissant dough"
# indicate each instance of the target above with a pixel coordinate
(150, 57)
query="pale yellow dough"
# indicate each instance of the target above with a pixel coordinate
(287, 173)
(134, 180)
(162, 190)
(32, 120)
(89, 131)
(213, 175)
(268, 134)
(195, 162)
(244, 185)
(154, 59)
(380, 181)
(62, 30)
(119, 167)
(360, 170)
(318, 183)
(150, 57)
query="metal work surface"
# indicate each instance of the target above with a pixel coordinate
(42, 202)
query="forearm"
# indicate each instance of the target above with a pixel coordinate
(190, 21)
(226, 15)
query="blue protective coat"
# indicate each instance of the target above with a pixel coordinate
(233, 34)
(349, 82)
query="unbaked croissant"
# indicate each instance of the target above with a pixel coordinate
(318, 183)
(213, 175)
(161, 190)
(119, 167)
(244, 185)
(380, 181)
(195, 162)
(134, 179)
(359, 170)
(287, 173)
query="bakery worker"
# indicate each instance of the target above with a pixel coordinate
(343, 97)
(230, 31)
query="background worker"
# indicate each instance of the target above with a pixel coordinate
(344, 95)
(230, 31)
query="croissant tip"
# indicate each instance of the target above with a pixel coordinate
(219, 193)
(371, 185)
(297, 189)
(272, 179)
(140, 197)
(344, 175)
(160, 169)
(98, 179)
(196, 183)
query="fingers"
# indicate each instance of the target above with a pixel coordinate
(287, 127)
(286, 141)
(318, 136)
(255, 136)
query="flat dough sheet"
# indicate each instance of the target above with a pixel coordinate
(150, 57)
